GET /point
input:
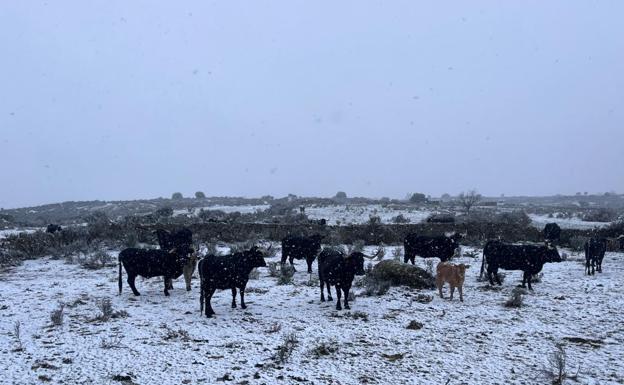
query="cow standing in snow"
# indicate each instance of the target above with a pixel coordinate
(299, 247)
(454, 275)
(530, 259)
(153, 263)
(227, 272)
(443, 247)
(594, 254)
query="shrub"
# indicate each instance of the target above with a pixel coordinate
(57, 315)
(402, 274)
(17, 335)
(164, 212)
(418, 198)
(286, 274)
(273, 268)
(556, 368)
(324, 349)
(600, 215)
(200, 195)
(399, 219)
(341, 195)
(397, 253)
(429, 266)
(374, 286)
(516, 300)
(286, 348)
(97, 260)
(177, 196)
(106, 309)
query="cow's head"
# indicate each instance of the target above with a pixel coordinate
(355, 261)
(183, 253)
(552, 254)
(254, 257)
(316, 241)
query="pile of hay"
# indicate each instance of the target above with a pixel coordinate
(402, 274)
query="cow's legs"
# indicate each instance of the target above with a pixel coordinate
(599, 265)
(209, 293)
(526, 277)
(440, 285)
(167, 284)
(242, 295)
(309, 261)
(497, 278)
(346, 297)
(452, 291)
(329, 297)
(489, 275)
(322, 291)
(461, 293)
(170, 284)
(233, 298)
(131, 278)
(338, 292)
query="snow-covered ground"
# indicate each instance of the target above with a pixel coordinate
(6, 233)
(244, 209)
(540, 221)
(357, 214)
(166, 340)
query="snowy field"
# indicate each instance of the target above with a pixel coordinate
(540, 221)
(358, 214)
(8, 232)
(166, 340)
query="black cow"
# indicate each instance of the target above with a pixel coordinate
(338, 269)
(180, 238)
(52, 228)
(621, 240)
(299, 247)
(153, 263)
(227, 272)
(552, 232)
(442, 247)
(168, 241)
(528, 258)
(594, 254)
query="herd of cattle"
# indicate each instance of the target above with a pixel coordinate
(336, 268)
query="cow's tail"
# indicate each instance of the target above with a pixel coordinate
(201, 288)
(120, 282)
(482, 264)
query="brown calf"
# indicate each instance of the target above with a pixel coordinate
(454, 275)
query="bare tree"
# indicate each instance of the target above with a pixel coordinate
(469, 199)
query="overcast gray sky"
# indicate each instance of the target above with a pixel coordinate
(136, 99)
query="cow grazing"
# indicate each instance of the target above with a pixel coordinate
(594, 254)
(454, 275)
(528, 258)
(339, 269)
(153, 263)
(52, 228)
(227, 272)
(299, 247)
(552, 232)
(443, 247)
